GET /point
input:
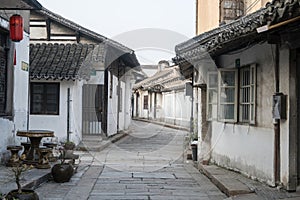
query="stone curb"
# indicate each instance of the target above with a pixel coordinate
(226, 182)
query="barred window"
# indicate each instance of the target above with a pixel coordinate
(44, 98)
(223, 88)
(247, 94)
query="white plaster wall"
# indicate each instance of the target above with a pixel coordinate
(76, 111)
(9, 125)
(177, 108)
(245, 148)
(112, 110)
(58, 123)
(123, 111)
(159, 110)
(127, 101)
(20, 94)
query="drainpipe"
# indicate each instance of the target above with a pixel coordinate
(277, 124)
(192, 106)
(68, 115)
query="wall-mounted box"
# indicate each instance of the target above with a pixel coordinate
(279, 106)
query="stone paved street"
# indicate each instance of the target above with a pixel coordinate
(147, 164)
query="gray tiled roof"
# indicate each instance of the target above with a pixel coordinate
(35, 4)
(166, 80)
(236, 33)
(64, 61)
(20, 5)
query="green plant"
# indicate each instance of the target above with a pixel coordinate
(18, 170)
(69, 145)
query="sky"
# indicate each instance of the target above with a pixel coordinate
(150, 27)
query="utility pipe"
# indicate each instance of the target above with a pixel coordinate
(277, 123)
(68, 115)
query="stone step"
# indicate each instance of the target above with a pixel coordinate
(225, 180)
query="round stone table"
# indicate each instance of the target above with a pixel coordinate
(35, 137)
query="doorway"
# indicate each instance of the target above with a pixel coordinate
(92, 109)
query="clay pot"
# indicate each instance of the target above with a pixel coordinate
(62, 172)
(26, 194)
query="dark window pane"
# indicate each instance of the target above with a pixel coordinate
(146, 102)
(44, 98)
(228, 78)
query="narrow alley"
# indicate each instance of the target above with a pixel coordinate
(146, 164)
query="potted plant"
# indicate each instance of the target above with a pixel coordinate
(69, 145)
(20, 193)
(63, 171)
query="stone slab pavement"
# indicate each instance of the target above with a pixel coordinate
(100, 176)
(147, 164)
(35, 177)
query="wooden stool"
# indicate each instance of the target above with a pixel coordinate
(51, 145)
(26, 146)
(43, 158)
(14, 158)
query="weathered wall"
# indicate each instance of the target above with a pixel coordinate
(288, 128)
(18, 121)
(249, 148)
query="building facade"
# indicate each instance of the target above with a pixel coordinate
(91, 73)
(162, 97)
(249, 91)
(223, 11)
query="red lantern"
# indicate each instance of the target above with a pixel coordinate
(16, 28)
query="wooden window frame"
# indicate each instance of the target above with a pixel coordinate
(210, 102)
(238, 101)
(224, 86)
(44, 99)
